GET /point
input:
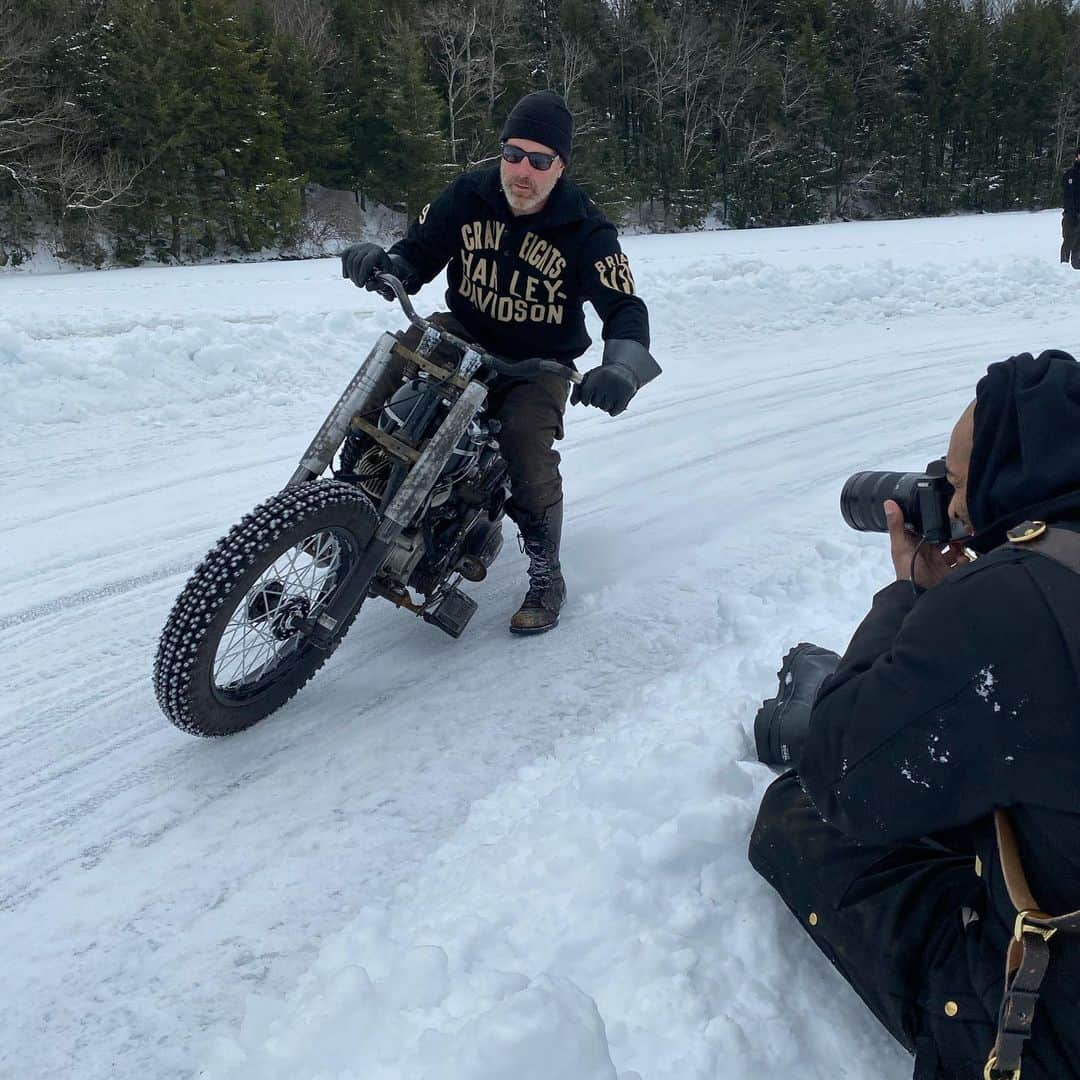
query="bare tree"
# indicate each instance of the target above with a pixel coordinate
(863, 187)
(661, 84)
(698, 52)
(47, 145)
(29, 115)
(572, 59)
(736, 64)
(453, 35)
(498, 36)
(622, 16)
(799, 100)
(1067, 123)
(87, 179)
(686, 55)
(308, 22)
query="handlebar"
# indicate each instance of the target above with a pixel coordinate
(517, 368)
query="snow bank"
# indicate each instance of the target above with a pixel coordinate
(755, 295)
(159, 368)
(136, 356)
(596, 917)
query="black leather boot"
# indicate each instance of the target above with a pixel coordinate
(540, 536)
(782, 722)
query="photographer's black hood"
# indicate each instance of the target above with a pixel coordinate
(1025, 459)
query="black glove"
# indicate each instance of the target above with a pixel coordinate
(361, 262)
(609, 387)
(627, 367)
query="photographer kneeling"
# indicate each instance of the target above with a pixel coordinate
(957, 699)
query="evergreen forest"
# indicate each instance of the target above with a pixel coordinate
(169, 130)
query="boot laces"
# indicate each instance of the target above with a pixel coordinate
(540, 574)
(542, 570)
(535, 596)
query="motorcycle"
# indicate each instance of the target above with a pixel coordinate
(414, 505)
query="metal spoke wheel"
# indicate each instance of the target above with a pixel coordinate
(235, 646)
(265, 627)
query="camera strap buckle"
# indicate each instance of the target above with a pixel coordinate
(992, 1072)
(1027, 958)
(1027, 531)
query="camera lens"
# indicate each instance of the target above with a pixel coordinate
(863, 494)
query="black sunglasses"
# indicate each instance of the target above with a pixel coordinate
(537, 159)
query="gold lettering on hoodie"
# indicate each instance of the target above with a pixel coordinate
(614, 273)
(528, 298)
(482, 235)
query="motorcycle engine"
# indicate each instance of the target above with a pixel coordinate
(371, 466)
(399, 409)
(372, 472)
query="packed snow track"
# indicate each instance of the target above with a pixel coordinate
(473, 859)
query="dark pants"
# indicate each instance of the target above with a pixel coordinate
(891, 920)
(1070, 238)
(531, 414)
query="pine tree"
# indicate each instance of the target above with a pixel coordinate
(358, 84)
(411, 168)
(1031, 48)
(248, 192)
(311, 117)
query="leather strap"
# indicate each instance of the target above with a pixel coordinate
(1030, 916)
(1025, 968)
(1028, 956)
(1027, 959)
(1009, 852)
(1062, 545)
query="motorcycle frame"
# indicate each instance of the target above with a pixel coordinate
(421, 476)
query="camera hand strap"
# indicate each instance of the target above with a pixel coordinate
(1028, 955)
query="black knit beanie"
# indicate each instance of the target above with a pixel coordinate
(544, 118)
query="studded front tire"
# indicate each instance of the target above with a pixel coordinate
(234, 648)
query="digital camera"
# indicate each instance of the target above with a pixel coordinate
(923, 497)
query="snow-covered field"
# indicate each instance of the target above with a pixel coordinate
(468, 860)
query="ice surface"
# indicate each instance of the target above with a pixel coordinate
(478, 859)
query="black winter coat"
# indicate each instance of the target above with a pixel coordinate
(967, 698)
(1070, 186)
(517, 284)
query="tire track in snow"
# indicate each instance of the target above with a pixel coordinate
(63, 605)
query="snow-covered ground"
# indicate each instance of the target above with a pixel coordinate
(467, 860)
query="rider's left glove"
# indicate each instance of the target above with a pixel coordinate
(361, 262)
(627, 367)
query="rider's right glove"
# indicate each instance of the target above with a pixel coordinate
(361, 262)
(627, 367)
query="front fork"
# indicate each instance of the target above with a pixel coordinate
(366, 391)
(404, 506)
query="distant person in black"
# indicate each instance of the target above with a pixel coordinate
(1070, 218)
(524, 247)
(956, 697)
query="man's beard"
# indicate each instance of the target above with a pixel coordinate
(521, 198)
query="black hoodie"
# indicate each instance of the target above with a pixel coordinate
(968, 698)
(1025, 461)
(517, 284)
